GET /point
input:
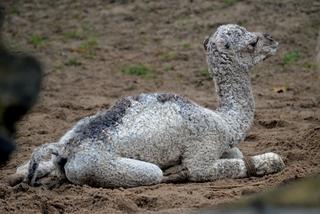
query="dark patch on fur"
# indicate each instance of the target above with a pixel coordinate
(98, 126)
(32, 170)
(167, 97)
(136, 97)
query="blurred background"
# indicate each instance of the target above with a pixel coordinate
(94, 52)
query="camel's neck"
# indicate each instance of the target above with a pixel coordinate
(236, 102)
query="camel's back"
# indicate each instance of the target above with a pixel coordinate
(150, 127)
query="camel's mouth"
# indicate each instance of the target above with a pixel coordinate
(272, 50)
(267, 48)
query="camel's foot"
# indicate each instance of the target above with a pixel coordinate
(267, 163)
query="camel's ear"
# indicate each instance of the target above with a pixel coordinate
(205, 43)
(213, 46)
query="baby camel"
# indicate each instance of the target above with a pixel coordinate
(161, 137)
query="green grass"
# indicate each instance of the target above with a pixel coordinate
(75, 34)
(89, 46)
(169, 56)
(88, 41)
(291, 57)
(309, 65)
(204, 72)
(58, 67)
(14, 46)
(81, 33)
(183, 20)
(14, 11)
(186, 45)
(229, 2)
(137, 70)
(37, 40)
(167, 67)
(73, 62)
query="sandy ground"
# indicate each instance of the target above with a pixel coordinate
(84, 46)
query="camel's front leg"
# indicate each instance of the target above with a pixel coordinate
(202, 168)
(97, 168)
(42, 163)
(45, 168)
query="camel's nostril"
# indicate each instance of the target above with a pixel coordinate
(268, 36)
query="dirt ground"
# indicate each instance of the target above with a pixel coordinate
(84, 45)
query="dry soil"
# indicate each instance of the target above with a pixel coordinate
(84, 45)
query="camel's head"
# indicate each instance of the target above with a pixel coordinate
(233, 42)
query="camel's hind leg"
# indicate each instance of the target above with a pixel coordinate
(100, 169)
(179, 173)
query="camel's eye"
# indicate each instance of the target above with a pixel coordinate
(254, 44)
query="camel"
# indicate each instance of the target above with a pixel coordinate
(163, 137)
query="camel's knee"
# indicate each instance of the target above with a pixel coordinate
(80, 169)
(139, 173)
